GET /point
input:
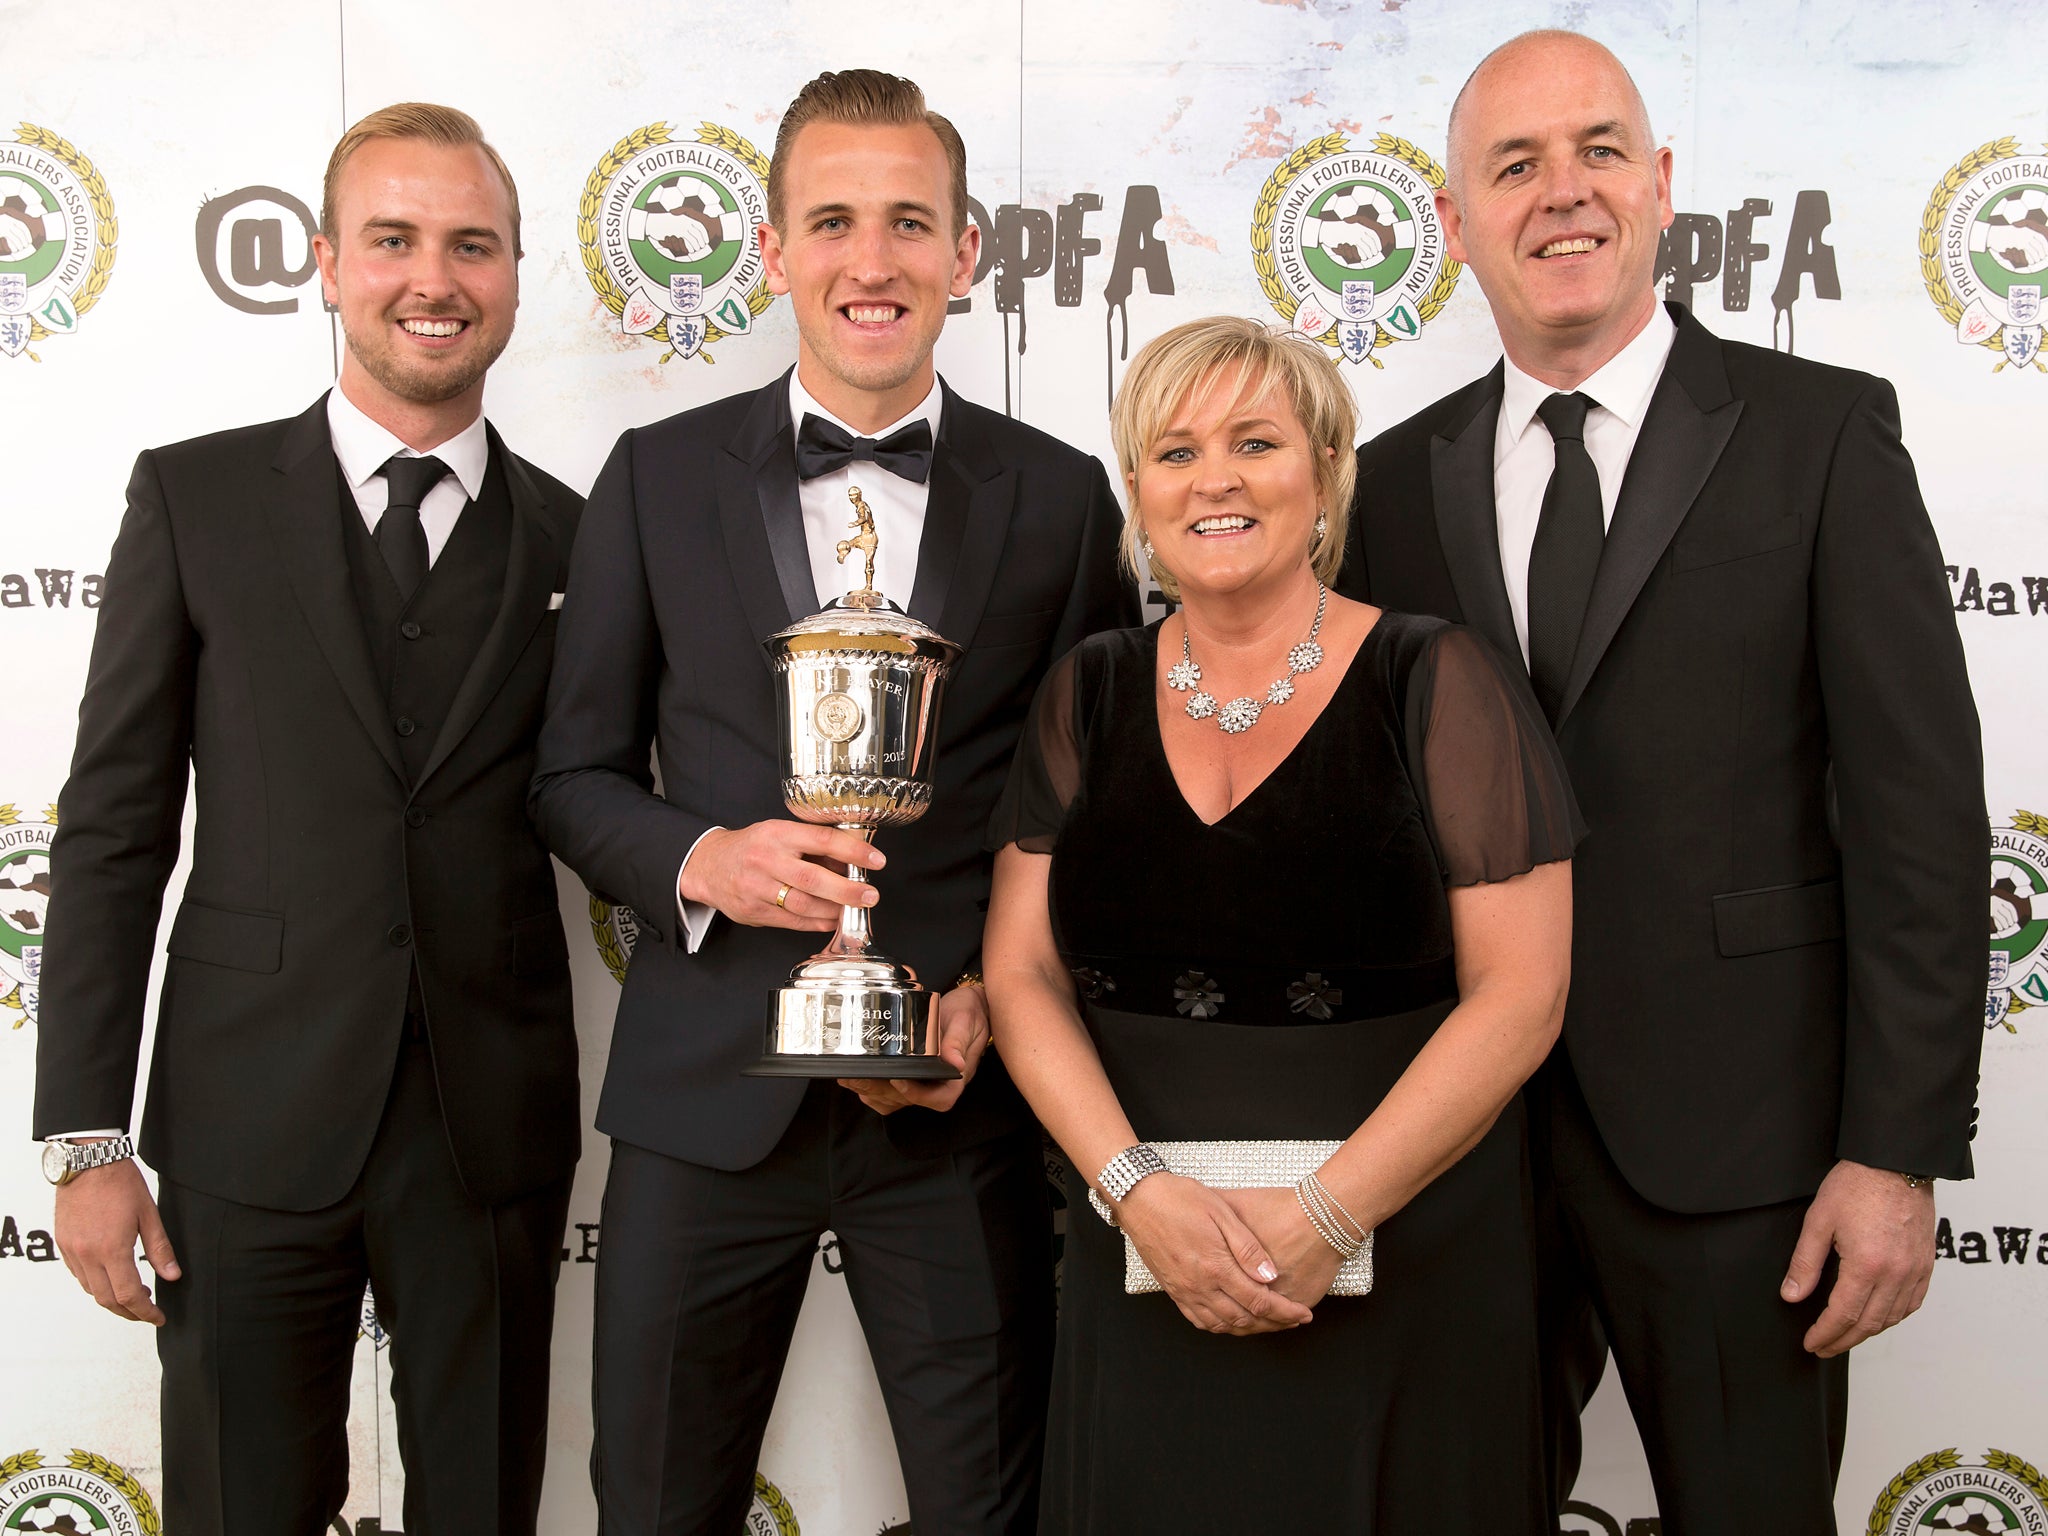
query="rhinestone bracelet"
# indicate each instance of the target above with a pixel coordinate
(1120, 1175)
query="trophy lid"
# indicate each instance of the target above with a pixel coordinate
(864, 620)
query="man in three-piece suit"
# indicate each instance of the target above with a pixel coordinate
(705, 534)
(365, 1060)
(1716, 564)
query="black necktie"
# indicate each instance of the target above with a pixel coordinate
(823, 446)
(1566, 553)
(400, 538)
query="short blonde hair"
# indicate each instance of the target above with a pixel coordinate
(866, 96)
(445, 126)
(1179, 367)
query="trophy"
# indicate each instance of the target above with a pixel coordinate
(857, 709)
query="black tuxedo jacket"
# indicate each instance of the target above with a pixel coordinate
(1778, 953)
(691, 554)
(229, 648)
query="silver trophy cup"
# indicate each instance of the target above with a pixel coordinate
(857, 708)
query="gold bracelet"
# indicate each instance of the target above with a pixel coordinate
(969, 979)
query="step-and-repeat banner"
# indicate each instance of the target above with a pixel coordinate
(1864, 183)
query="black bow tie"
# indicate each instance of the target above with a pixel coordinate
(823, 446)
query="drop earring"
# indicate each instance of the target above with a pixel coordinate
(1322, 527)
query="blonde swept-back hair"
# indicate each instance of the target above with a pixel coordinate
(866, 96)
(1178, 369)
(445, 126)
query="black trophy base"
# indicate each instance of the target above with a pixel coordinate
(830, 1003)
(916, 1069)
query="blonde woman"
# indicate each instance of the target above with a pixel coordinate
(1282, 868)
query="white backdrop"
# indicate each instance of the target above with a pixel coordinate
(1132, 166)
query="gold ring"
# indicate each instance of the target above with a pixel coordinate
(782, 896)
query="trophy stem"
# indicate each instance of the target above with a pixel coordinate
(856, 931)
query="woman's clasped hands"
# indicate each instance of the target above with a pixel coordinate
(1241, 1261)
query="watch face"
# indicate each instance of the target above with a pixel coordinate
(55, 1163)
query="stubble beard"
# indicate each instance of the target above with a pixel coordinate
(423, 385)
(871, 375)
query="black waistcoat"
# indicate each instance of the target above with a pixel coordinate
(422, 649)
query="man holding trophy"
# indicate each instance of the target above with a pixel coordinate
(976, 552)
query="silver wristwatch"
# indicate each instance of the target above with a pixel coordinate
(64, 1161)
(1121, 1173)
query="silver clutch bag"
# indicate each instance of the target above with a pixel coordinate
(1241, 1165)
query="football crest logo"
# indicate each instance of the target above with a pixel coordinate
(2002, 1495)
(667, 231)
(2019, 920)
(1984, 251)
(616, 930)
(769, 1514)
(87, 1496)
(24, 902)
(57, 234)
(1347, 245)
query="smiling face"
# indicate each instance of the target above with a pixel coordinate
(420, 265)
(869, 260)
(1227, 493)
(1557, 201)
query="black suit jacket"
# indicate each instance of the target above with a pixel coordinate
(229, 648)
(1778, 948)
(691, 554)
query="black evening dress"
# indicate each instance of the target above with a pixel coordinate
(1268, 978)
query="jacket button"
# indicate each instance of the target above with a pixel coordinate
(400, 935)
(410, 630)
(415, 817)
(405, 726)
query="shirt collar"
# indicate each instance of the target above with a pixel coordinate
(927, 411)
(362, 445)
(1622, 385)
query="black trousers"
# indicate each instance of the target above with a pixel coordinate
(702, 1272)
(1735, 1415)
(260, 1335)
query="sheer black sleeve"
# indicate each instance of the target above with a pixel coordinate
(1045, 775)
(1487, 771)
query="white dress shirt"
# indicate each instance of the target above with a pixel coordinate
(899, 507)
(1523, 455)
(362, 446)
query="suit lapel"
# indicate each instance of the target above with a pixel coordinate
(1461, 478)
(304, 516)
(966, 524)
(531, 565)
(762, 519)
(1691, 417)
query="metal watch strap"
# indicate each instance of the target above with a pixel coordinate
(81, 1155)
(97, 1154)
(1120, 1175)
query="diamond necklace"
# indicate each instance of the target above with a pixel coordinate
(1242, 713)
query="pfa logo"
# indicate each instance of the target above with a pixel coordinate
(769, 1514)
(1984, 250)
(86, 1496)
(57, 234)
(2018, 977)
(24, 904)
(1347, 246)
(2001, 1495)
(667, 231)
(616, 930)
